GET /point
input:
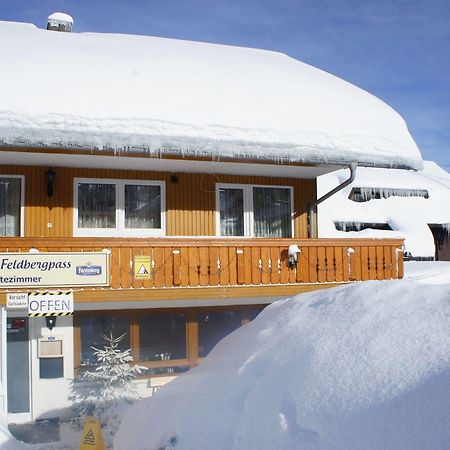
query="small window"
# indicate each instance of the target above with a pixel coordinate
(259, 211)
(96, 205)
(364, 194)
(214, 326)
(359, 226)
(119, 208)
(231, 212)
(11, 205)
(162, 337)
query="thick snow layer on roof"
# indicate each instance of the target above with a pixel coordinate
(408, 216)
(360, 367)
(137, 92)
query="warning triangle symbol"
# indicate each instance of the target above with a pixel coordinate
(89, 438)
(142, 270)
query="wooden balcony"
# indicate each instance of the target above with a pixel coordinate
(219, 267)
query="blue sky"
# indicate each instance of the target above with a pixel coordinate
(397, 49)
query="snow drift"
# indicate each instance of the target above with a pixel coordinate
(365, 366)
(407, 216)
(140, 93)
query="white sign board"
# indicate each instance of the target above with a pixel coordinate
(54, 269)
(17, 300)
(57, 303)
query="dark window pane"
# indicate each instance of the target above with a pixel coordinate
(142, 206)
(212, 327)
(272, 212)
(96, 205)
(10, 206)
(162, 337)
(231, 203)
(51, 367)
(92, 329)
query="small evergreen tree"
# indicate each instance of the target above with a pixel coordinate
(102, 392)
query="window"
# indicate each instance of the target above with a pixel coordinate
(259, 211)
(162, 342)
(119, 208)
(94, 327)
(359, 226)
(11, 205)
(162, 337)
(364, 194)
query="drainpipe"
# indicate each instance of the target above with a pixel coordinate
(311, 227)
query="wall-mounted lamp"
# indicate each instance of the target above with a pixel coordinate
(293, 252)
(50, 178)
(51, 322)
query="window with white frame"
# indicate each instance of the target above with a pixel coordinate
(253, 210)
(105, 207)
(11, 205)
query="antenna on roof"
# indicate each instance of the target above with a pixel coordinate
(59, 22)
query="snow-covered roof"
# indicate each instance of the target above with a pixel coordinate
(122, 92)
(407, 216)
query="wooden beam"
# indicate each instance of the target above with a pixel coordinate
(199, 293)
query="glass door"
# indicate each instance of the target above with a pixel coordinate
(18, 366)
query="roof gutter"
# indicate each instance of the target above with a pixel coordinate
(312, 206)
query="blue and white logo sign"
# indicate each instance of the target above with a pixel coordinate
(89, 270)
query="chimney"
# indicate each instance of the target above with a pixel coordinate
(59, 22)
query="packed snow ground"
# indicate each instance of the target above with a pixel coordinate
(407, 216)
(363, 366)
(141, 93)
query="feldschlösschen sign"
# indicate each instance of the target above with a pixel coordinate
(54, 269)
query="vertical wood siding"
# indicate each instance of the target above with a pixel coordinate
(190, 202)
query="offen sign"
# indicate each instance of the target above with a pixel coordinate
(45, 304)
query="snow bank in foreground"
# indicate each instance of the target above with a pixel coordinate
(364, 366)
(7, 441)
(135, 93)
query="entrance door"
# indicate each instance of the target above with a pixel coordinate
(18, 368)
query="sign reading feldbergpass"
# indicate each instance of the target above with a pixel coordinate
(54, 269)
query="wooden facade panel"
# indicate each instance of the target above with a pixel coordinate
(330, 264)
(190, 200)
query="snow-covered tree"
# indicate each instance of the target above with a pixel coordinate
(107, 390)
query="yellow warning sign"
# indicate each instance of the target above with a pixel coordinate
(142, 267)
(92, 438)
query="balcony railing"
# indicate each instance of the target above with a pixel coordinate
(222, 262)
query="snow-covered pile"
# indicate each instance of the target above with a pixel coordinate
(364, 366)
(407, 216)
(151, 94)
